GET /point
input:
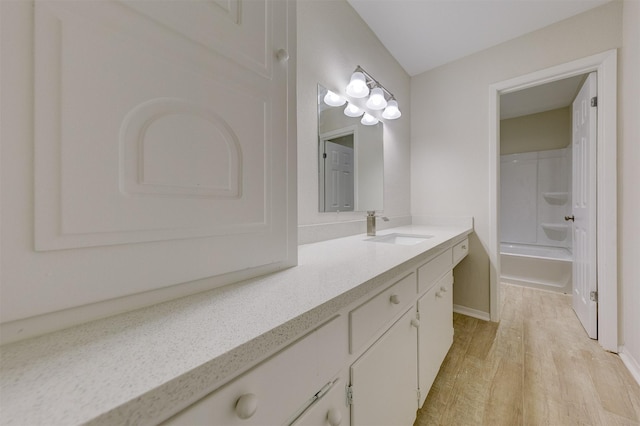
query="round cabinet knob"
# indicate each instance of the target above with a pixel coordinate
(415, 323)
(334, 417)
(246, 405)
(282, 55)
(438, 294)
(464, 247)
(394, 299)
(443, 289)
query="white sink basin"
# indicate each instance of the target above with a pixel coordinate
(400, 239)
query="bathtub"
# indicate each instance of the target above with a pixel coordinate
(547, 268)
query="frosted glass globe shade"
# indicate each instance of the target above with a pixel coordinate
(333, 99)
(357, 87)
(353, 111)
(368, 119)
(391, 112)
(376, 100)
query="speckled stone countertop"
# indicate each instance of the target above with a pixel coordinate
(135, 368)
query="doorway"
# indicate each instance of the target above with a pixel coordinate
(605, 64)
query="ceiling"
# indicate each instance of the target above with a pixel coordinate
(554, 95)
(424, 34)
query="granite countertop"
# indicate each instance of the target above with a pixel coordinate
(135, 368)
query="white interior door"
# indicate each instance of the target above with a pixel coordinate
(338, 171)
(583, 209)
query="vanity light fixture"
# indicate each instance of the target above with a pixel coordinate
(361, 84)
(353, 111)
(369, 120)
(333, 99)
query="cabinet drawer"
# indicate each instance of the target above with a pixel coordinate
(369, 318)
(430, 272)
(460, 250)
(274, 390)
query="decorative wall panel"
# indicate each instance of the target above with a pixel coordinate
(156, 150)
(134, 143)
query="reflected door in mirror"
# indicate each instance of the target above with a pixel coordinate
(338, 172)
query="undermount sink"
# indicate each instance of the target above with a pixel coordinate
(400, 239)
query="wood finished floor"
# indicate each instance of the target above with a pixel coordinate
(536, 367)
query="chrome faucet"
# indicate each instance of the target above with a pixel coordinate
(371, 222)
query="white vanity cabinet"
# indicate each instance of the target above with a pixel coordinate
(383, 379)
(371, 365)
(435, 310)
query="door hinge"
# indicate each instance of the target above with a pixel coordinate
(594, 296)
(594, 101)
(350, 395)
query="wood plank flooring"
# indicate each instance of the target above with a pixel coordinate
(536, 367)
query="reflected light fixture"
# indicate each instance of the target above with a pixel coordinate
(357, 87)
(391, 112)
(361, 84)
(376, 100)
(369, 120)
(333, 99)
(353, 111)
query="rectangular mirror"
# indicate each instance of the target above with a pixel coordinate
(350, 160)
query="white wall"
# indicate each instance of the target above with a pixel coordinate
(628, 178)
(450, 129)
(332, 41)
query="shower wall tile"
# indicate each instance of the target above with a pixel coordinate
(518, 194)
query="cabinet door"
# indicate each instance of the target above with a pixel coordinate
(383, 379)
(159, 150)
(436, 331)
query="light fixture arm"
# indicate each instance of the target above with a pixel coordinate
(372, 82)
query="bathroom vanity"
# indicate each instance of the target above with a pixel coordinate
(354, 334)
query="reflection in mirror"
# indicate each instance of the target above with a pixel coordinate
(350, 159)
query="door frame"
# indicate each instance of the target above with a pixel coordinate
(605, 64)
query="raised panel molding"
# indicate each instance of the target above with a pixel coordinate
(134, 145)
(156, 160)
(211, 196)
(230, 7)
(236, 29)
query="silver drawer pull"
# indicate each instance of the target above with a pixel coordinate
(394, 299)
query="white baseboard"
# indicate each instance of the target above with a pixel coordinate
(471, 312)
(631, 363)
